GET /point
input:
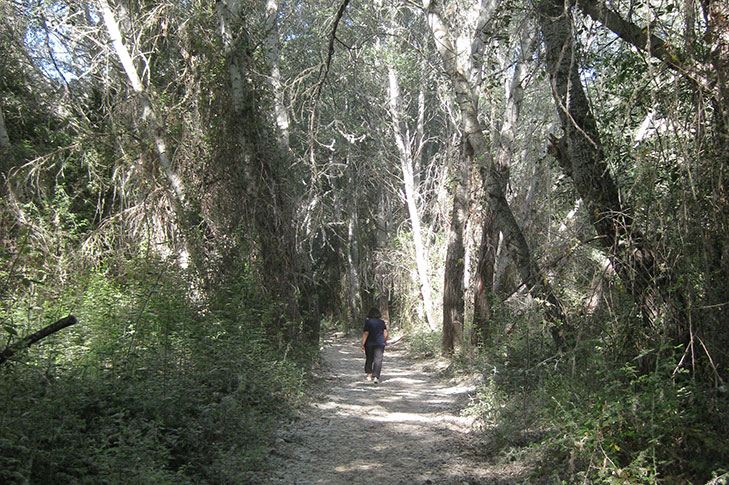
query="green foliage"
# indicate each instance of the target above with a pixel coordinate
(152, 386)
(589, 416)
(424, 343)
(618, 424)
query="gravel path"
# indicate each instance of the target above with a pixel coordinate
(405, 430)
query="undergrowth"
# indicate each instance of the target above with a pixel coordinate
(424, 343)
(583, 416)
(151, 386)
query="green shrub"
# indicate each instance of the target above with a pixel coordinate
(591, 415)
(150, 386)
(424, 343)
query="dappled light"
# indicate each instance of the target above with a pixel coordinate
(408, 429)
(215, 214)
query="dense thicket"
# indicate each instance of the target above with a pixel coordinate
(207, 186)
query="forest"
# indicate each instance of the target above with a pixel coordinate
(194, 194)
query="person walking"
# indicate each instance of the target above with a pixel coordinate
(374, 340)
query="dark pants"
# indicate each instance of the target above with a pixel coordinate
(373, 360)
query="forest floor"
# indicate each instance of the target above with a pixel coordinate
(408, 429)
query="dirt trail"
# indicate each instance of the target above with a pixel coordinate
(405, 430)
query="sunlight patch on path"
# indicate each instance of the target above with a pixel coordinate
(405, 430)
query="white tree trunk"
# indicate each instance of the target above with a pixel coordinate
(281, 114)
(227, 13)
(155, 126)
(406, 163)
(381, 274)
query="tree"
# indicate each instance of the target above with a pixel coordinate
(493, 180)
(580, 154)
(402, 140)
(409, 141)
(4, 138)
(156, 128)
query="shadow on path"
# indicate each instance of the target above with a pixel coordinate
(405, 430)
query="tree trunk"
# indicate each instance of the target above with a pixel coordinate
(582, 157)
(4, 138)
(355, 298)
(287, 277)
(155, 126)
(494, 181)
(406, 164)
(382, 280)
(187, 219)
(280, 112)
(503, 146)
(484, 284)
(453, 299)
(718, 29)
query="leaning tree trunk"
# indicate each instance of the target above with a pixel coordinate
(503, 148)
(187, 218)
(26, 342)
(580, 154)
(718, 30)
(710, 78)
(494, 182)
(154, 124)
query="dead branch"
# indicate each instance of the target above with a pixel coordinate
(11, 350)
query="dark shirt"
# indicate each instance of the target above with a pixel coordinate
(375, 328)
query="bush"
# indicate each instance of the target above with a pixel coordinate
(150, 387)
(640, 428)
(586, 418)
(424, 343)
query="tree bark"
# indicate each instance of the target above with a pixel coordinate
(494, 181)
(355, 297)
(503, 146)
(453, 282)
(484, 282)
(4, 138)
(280, 112)
(382, 238)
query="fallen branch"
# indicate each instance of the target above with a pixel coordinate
(11, 350)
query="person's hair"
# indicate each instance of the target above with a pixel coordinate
(374, 313)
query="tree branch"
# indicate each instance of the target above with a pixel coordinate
(640, 38)
(323, 73)
(330, 53)
(40, 334)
